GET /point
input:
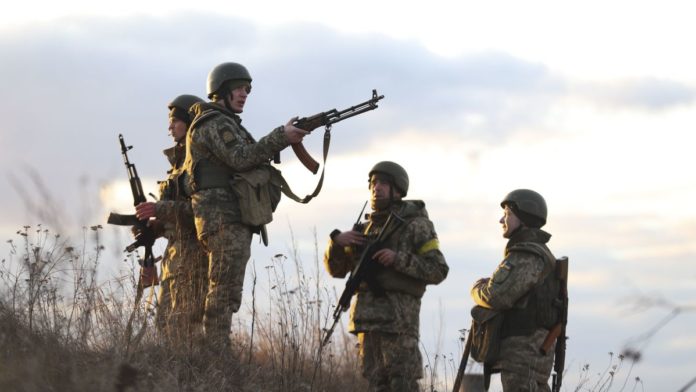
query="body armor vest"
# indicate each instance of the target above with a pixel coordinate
(540, 308)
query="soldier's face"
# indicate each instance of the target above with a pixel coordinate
(239, 97)
(177, 129)
(510, 222)
(381, 192)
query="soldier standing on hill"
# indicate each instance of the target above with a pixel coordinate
(523, 288)
(185, 263)
(218, 150)
(386, 316)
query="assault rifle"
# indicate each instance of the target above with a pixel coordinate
(364, 270)
(326, 119)
(145, 235)
(558, 332)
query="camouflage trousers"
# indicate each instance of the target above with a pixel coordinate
(522, 363)
(228, 250)
(390, 362)
(182, 291)
(515, 382)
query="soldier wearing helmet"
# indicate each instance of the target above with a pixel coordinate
(184, 262)
(385, 316)
(222, 156)
(523, 289)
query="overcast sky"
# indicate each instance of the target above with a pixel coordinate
(591, 104)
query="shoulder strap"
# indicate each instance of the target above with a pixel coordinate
(539, 250)
(203, 117)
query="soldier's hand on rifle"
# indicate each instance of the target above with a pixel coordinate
(349, 238)
(386, 257)
(293, 133)
(145, 210)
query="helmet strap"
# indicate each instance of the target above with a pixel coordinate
(227, 100)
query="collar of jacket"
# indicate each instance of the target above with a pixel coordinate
(198, 109)
(403, 208)
(175, 154)
(526, 234)
(222, 109)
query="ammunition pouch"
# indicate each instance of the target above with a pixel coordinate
(486, 328)
(258, 193)
(391, 280)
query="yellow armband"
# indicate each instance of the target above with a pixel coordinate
(428, 246)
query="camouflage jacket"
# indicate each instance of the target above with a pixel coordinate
(418, 263)
(516, 276)
(173, 210)
(217, 146)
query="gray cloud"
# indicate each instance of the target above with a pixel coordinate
(69, 87)
(121, 70)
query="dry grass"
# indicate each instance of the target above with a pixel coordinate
(61, 330)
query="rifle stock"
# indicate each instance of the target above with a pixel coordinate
(559, 359)
(465, 359)
(551, 337)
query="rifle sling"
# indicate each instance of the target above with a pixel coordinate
(214, 176)
(285, 187)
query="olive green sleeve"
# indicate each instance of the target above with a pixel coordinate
(174, 211)
(513, 278)
(223, 140)
(418, 253)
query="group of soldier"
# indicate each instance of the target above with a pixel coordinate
(203, 215)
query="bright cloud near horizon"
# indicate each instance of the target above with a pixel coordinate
(592, 104)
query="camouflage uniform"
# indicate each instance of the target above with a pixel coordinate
(388, 326)
(184, 263)
(217, 146)
(522, 271)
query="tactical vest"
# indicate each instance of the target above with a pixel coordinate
(540, 308)
(391, 280)
(257, 191)
(207, 175)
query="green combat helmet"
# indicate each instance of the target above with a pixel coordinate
(224, 72)
(184, 102)
(528, 205)
(397, 174)
(179, 107)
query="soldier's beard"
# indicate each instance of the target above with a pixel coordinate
(380, 204)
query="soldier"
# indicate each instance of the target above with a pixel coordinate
(386, 317)
(184, 264)
(523, 289)
(225, 170)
